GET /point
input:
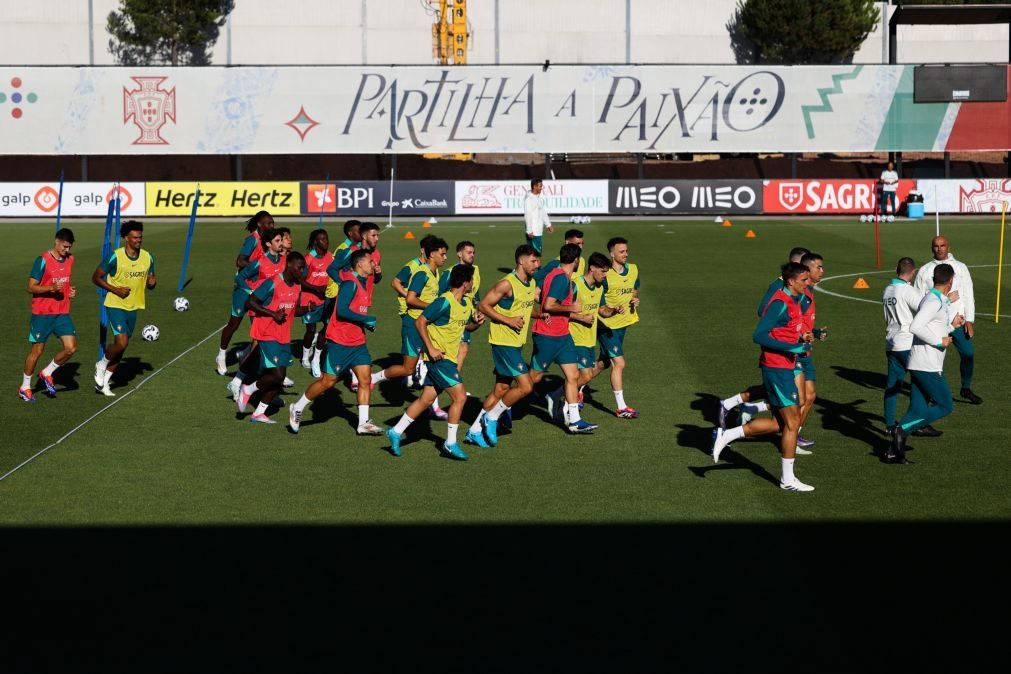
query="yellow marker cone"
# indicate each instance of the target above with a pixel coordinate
(750, 235)
(727, 223)
(409, 235)
(862, 284)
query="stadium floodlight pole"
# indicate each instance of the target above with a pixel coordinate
(1000, 261)
(389, 219)
(322, 207)
(189, 239)
(59, 202)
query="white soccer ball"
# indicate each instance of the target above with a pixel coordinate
(891, 218)
(863, 218)
(573, 219)
(586, 219)
(182, 304)
(150, 333)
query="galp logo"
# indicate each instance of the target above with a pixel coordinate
(149, 106)
(125, 198)
(47, 199)
(791, 195)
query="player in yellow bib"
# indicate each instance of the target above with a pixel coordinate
(125, 275)
(466, 251)
(622, 292)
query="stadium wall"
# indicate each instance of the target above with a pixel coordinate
(357, 32)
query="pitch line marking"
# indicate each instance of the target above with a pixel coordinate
(887, 271)
(107, 407)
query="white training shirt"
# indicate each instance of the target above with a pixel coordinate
(535, 214)
(886, 177)
(931, 324)
(966, 303)
(900, 301)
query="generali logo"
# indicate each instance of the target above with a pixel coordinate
(482, 196)
(150, 107)
(47, 199)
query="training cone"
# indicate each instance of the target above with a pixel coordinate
(427, 224)
(727, 223)
(409, 235)
(750, 235)
(719, 218)
(861, 284)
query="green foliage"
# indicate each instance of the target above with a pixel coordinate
(166, 32)
(806, 31)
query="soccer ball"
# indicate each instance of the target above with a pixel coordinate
(586, 219)
(182, 304)
(891, 218)
(150, 333)
(573, 219)
(863, 217)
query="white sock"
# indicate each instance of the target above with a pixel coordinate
(26, 381)
(354, 379)
(732, 434)
(363, 414)
(619, 399)
(103, 363)
(451, 433)
(378, 376)
(300, 405)
(732, 402)
(108, 378)
(48, 370)
(755, 408)
(237, 379)
(222, 353)
(402, 425)
(422, 370)
(582, 387)
(261, 409)
(476, 426)
(497, 411)
(788, 470)
(571, 413)
(250, 388)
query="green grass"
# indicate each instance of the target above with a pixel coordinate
(173, 452)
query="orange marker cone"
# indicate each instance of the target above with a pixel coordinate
(727, 223)
(409, 235)
(427, 225)
(862, 284)
(750, 235)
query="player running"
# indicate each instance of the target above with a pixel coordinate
(345, 343)
(251, 251)
(782, 334)
(465, 253)
(318, 257)
(509, 306)
(622, 291)
(274, 305)
(340, 268)
(573, 236)
(126, 275)
(51, 288)
(440, 325)
(815, 264)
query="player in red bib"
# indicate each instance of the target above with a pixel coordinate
(368, 240)
(317, 259)
(274, 305)
(50, 286)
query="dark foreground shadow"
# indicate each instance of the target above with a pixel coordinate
(607, 598)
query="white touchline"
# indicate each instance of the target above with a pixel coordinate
(96, 414)
(883, 271)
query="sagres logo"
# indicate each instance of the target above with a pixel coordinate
(125, 198)
(47, 199)
(149, 106)
(791, 195)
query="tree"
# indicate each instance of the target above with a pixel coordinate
(806, 31)
(166, 32)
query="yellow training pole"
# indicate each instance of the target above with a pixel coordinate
(1000, 261)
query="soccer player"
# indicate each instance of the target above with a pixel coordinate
(351, 237)
(805, 372)
(573, 236)
(274, 304)
(961, 337)
(317, 259)
(552, 341)
(535, 215)
(51, 288)
(465, 253)
(250, 252)
(440, 325)
(340, 269)
(345, 343)
(782, 335)
(931, 327)
(125, 275)
(622, 291)
(509, 306)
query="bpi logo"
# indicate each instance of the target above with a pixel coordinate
(149, 106)
(791, 195)
(331, 198)
(47, 199)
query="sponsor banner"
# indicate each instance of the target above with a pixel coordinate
(818, 197)
(91, 199)
(363, 197)
(219, 198)
(664, 197)
(505, 197)
(980, 195)
(484, 109)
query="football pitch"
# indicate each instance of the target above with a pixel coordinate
(170, 450)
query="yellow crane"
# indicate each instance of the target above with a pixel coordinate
(449, 47)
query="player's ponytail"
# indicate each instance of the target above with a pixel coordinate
(253, 223)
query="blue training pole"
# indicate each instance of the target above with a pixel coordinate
(322, 208)
(59, 202)
(103, 317)
(189, 239)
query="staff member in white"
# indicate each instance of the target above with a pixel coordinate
(930, 327)
(965, 305)
(889, 184)
(536, 215)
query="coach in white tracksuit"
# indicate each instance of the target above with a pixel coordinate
(536, 214)
(965, 305)
(900, 302)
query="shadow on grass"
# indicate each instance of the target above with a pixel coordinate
(850, 420)
(128, 370)
(67, 376)
(701, 438)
